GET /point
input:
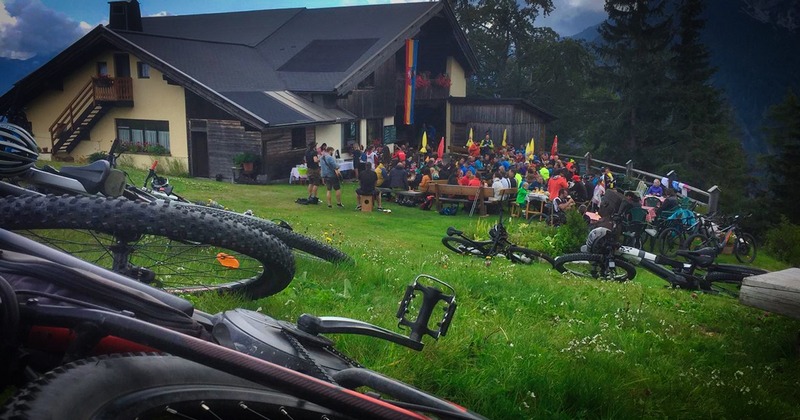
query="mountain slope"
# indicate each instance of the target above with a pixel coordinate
(754, 46)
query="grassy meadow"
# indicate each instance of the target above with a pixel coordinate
(526, 342)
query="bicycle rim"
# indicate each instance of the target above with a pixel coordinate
(594, 266)
(745, 248)
(179, 250)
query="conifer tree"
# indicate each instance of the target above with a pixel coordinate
(635, 52)
(783, 134)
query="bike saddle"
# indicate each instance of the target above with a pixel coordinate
(96, 177)
(702, 257)
(453, 231)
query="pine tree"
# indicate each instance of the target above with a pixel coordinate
(635, 53)
(703, 145)
(783, 134)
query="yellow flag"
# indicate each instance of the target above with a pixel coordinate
(469, 139)
(529, 148)
(424, 143)
(505, 134)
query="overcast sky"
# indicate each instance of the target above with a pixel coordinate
(31, 27)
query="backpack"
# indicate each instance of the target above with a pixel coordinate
(427, 204)
(449, 211)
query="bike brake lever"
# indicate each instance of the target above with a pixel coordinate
(333, 325)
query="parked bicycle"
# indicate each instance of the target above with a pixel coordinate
(82, 341)
(603, 257)
(714, 236)
(168, 242)
(498, 244)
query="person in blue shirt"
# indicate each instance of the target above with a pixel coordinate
(655, 189)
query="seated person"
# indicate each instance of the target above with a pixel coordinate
(398, 177)
(426, 178)
(630, 202)
(367, 180)
(669, 205)
(656, 189)
(561, 204)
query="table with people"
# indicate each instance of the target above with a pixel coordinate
(541, 180)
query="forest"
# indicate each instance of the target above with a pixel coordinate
(642, 93)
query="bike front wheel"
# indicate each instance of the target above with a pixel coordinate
(152, 387)
(595, 266)
(518, 254)
(745, 248)
(178, 249)
(670, 241)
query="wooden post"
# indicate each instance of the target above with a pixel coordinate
(628, 169)
(777, 292)
(713, 199)
(588, 158)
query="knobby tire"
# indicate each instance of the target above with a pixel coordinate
(184, 248)
(518, 254)
(590, 266)
(152, 386)
(291, 238)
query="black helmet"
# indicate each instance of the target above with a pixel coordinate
(18, 150)
(597, 240)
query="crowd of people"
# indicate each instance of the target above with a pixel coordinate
(486, 164)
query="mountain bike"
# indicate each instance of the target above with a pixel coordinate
(78, 339)
(498, 244)
(603, 257)
(170, 242)
(711, 235)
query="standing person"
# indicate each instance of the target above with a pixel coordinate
(557, 183)
(609, 178)
(366, 186)
(314, 177)
(487, 144)
(599, 192)
(358, 163)
(330, 174)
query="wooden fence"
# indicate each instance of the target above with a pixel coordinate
(707, 199)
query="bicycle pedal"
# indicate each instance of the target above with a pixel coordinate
(431, 296)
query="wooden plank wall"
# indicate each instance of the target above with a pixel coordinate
(521, 125)
(378, 101)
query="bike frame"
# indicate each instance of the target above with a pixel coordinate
(92, 323)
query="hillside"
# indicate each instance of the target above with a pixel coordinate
(754, 46)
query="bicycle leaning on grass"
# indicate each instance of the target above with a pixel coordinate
(498, 244)
(603, 257)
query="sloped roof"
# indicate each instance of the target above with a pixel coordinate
(235, 59)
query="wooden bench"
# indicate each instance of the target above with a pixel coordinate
(444, 193)
(777, 292)
(507, 196)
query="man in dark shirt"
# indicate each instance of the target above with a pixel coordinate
(669, 205)
(314, 175)
(398, 177)
(366, 186)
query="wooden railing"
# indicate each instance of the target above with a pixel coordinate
(709, 199)
(104, 89)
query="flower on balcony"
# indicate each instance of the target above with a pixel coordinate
(443, 80)
(423, 80)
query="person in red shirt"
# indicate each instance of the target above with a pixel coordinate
(556, 183)
(464, 179)
(474, 181)
(474, 150)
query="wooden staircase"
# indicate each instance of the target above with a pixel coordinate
(91, 103)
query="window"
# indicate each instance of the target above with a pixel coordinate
(299, 138)
(350, 134)
(102, 68)
(144, 136)
(143, 70)
(375, 129)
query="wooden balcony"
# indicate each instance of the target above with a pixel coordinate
(112, 89)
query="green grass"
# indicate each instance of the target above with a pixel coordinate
(527, 342)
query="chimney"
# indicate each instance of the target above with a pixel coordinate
(125, 15)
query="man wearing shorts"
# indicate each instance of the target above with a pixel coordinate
(314, 176)
(330, 175)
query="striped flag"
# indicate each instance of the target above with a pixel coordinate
(411, 78)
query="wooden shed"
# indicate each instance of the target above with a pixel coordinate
(521, 118)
